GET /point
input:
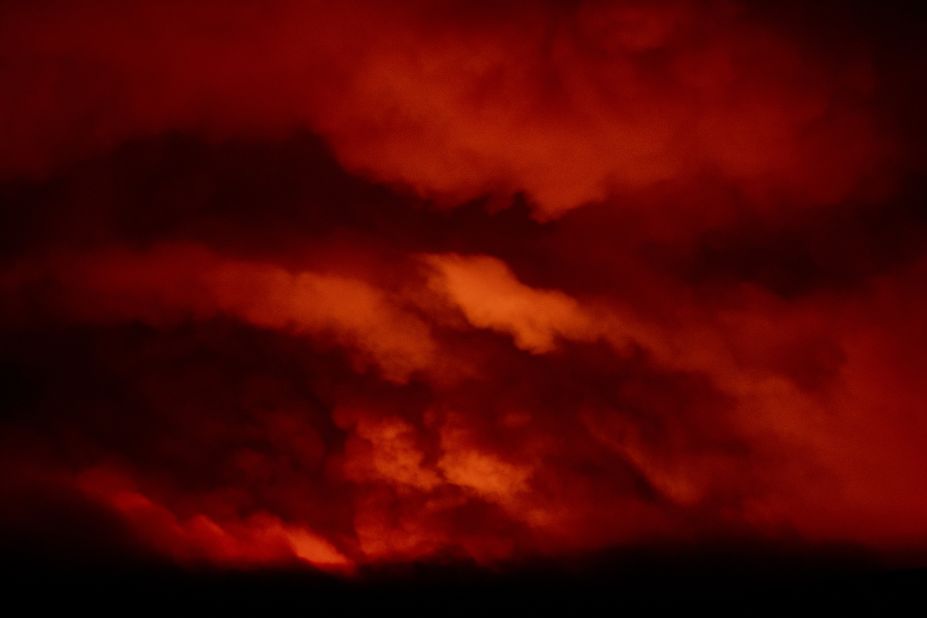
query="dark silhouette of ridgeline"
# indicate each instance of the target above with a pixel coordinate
(721, 578)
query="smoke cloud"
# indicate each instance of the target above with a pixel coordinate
(362, 283)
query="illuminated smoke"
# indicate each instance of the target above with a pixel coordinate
(294, 282)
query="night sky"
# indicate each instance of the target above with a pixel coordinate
(377, 293)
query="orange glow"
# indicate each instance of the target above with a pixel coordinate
(361, 283)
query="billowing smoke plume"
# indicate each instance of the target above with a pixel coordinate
(358, 283)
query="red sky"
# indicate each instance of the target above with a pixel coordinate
(359, 283)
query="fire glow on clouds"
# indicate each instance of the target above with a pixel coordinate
(363, 282)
